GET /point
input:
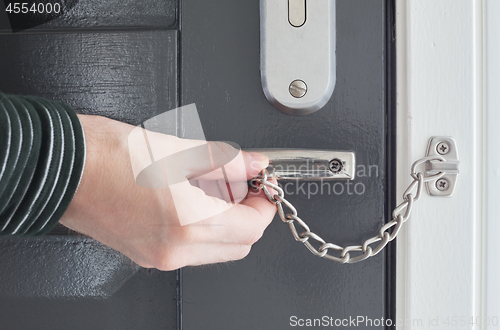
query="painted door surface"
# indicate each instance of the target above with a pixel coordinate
(133, 60)
(280, 278)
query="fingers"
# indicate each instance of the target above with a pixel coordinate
(244, 166)
(183, 159)
(215, 161)
(225, 237)
(195, 158)
(192, 204)
(241, 224)
(208, 199)
(233, 192)
(172, 258)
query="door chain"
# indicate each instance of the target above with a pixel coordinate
(400, 214)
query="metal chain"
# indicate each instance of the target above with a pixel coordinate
(400, 214)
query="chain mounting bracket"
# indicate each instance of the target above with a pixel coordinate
(445, 147)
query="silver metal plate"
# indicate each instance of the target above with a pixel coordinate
(445, 147)
(310, 165)
(298, 67)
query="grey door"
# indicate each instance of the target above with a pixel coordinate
(133, 60)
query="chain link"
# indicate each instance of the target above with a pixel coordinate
(343, 254)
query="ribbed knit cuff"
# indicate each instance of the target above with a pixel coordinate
(42, 156)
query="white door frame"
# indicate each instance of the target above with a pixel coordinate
(448, 85)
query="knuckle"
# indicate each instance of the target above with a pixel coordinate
(165, 259)
(184, 234)
(180, 235)
(223, 150)
(253, 236)
(240, 253)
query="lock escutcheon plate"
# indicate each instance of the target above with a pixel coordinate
(297, 54)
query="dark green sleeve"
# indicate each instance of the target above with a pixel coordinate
(42, 155)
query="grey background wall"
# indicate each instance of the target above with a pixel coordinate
(132, 60)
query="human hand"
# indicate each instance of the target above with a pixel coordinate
(170, 226)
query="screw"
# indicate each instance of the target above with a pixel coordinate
(298, 88)
(442, 184)
(443, 148)
(336, 166)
